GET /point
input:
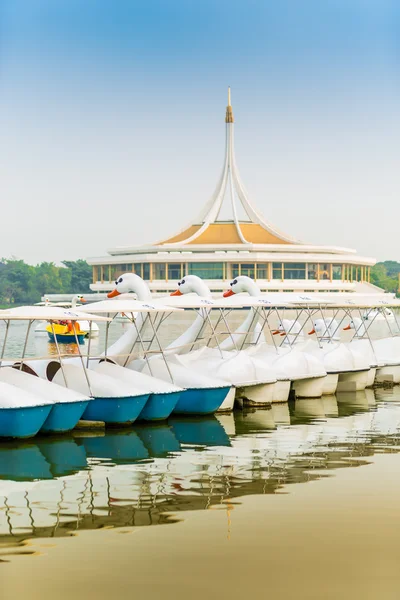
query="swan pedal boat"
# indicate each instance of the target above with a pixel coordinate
(60, 408)
(198, 394)
(112, 401)
(255, 382)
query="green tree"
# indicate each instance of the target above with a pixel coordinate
(81, 275)
(17, 282)
(385, 275)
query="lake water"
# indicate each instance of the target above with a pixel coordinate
(298, 501)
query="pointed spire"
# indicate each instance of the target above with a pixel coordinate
(229, 113)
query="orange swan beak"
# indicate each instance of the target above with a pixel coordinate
(311, 332)
(176, 293)
(113, 294)
(228, 293)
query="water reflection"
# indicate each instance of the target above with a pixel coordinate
(147, 474)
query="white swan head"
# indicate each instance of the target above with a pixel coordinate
(242, 284)
(131, 283)
(286, 327)
(357, 324)
(324, 327)
(192, 284)
(78, 298)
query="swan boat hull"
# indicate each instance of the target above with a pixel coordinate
(257, 395)
(159, 406)
(23, 422)
(229, 402)
(64, 416)
(115, 410)
(330, 384)
(309, 387)
(388, 374)
(201, 401)
(353, 381)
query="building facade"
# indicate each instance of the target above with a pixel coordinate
(219, 249)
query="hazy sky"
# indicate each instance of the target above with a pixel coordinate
(112, 119)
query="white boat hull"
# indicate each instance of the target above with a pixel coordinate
(330, 384)
(371, 377)
(281, 391)
(310, 387)
(229, 402)
(353, 381)
(257, 395)
(388, 374)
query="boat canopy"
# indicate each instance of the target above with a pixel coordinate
(47, 313)
(194, 301)
(126, 306)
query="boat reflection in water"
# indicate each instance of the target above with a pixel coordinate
(147, 474)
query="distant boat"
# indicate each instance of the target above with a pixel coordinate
(87, 329)
(64, 333)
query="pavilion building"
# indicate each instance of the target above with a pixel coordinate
(218, 249)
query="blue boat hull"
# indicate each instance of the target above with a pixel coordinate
(23, 422)
(201, 401)
(159, 406)
(115, 410)
(64, 416)
(67, 339)
(206, 431)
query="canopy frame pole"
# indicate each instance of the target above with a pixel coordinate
(219, 319)
(254, 321)
(334, 315)
(25, 344)
(261, 316)
(270, 330)
(89, 343)
(4, 341)
(230, 333)
(387, 321)
(59, 353)
(106, 338)
(214, 333)
(161, 349)
(311, 314)
(362, 324)
(258, 310)
(81, 358)
(141, 342)
(139, 336)
(396, 321)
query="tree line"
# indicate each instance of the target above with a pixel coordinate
(386, 275)
(21, 283)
